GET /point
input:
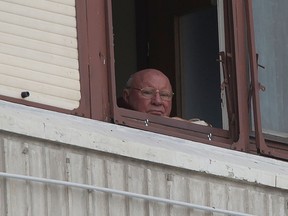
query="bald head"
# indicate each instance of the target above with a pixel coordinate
(149, 91)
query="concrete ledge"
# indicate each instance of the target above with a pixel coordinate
(138, 144)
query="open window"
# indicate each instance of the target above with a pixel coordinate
(193, 43)
(268, 54)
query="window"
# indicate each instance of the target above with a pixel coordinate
(183, 39)
(271, 47)
(268, 50)
(76, 56)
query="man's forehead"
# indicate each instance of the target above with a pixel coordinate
(154, 80)
(149, 75)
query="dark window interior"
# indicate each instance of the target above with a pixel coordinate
(178, 37)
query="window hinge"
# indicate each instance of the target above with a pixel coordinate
(259, 86)
(257, 61)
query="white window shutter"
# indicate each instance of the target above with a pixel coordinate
(38, 52)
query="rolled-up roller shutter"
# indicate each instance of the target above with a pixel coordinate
(38, 52)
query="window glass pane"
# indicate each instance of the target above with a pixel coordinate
(271, 32)
(200, 72)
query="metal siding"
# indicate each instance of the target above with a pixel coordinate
(38, 52)
(28, 156)
(136, 181)
(258, 199)
(38, 197)
(15, 161)
(98, 202)
(57, 196)
(3, 203)
(198, 194)
(242, 194)
(218, 195)
(273, 205)
(177, 190)
(76, 172)
(116, 180)
(158, 189)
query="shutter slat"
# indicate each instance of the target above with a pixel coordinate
(38, 45)
(50, 6)
(38, 35)
(42, 25)
(38, 56)
(39, 67)
(65, 2)
(33, 13)
(39, 77)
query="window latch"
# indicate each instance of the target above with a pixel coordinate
(209, 136)
(261, 87)
(146, 122)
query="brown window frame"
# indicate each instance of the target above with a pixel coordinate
(209, 135)
(239, 44)
(264, 146)
(97, 58)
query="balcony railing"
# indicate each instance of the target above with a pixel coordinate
(123, 193)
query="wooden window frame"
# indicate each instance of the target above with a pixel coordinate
(264, 146)
(239, 42)
(209, 135)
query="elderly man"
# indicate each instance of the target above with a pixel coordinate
(149, 91)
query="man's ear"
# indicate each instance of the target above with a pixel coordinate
(125, 95)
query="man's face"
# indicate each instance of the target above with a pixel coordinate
(155, 105)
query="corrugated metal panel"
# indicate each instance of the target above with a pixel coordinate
(39, 158)
(38, 52)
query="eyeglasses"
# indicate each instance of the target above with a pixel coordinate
(149, 92)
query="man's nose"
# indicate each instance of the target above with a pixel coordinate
(157, 99)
